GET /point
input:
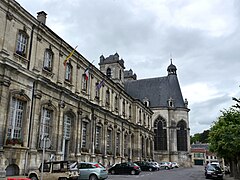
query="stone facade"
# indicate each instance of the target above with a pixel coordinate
(43, 100)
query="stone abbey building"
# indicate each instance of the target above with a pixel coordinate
(75, 110)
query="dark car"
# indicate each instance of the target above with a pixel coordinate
(146, 166)
(125, 168)
(213, 172)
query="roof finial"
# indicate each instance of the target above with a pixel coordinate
(171, 57)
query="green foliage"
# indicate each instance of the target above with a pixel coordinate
(224, 136)
(200, 137)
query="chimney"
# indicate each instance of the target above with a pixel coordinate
(41, 17)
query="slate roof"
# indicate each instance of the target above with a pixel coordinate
(157, 90)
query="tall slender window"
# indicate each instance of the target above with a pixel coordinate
(160, 134)
(67, 135)
(182, 136)
(68, 73)
(98, 137)
(84, 82)
(125, 144)
(16, 119)
(46, 123)
(116, 102)
(67, 126)
(118, 144)
(109, 140)
(22, 40)
(123, 108)
(107, 97)
(84, 135)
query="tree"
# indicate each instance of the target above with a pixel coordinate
(224, 138)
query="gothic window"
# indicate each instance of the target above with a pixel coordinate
(98, 138)
(181, 136)
(48, 60)
(118, 144)
(160, 134)
(15, 123)
(22, 40)
(68, 72)
(84, 83)
(109, 141)
(109, 73)
(84, 135)
(46, 123)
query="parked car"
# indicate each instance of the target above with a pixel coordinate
(175, 165)
(125, 168)
(213, 172)
(92, 171)
(54, 170)
(165, 165)
(146, 166)
(157, 165)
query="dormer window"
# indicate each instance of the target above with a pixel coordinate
(170, 102)
(146, 102)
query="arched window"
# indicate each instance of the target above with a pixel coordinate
(160, 134)
(109, 73)
(181, 136)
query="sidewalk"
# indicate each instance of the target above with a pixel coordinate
(227, 177)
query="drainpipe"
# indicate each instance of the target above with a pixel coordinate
(30, 47)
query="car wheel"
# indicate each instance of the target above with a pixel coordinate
(133, 172)
(93, 177)
(33, 177)
(150, 169)
(113, 172)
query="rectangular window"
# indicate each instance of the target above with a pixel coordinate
(67, 127)
(84, 82)
(109, 140)
(48, 58)
(118, 144)
(98, 137)
(125, 144)
(16, 119)
(68, 75)
(46, 123)
(21, 44)
(84, 135)
(107, 97)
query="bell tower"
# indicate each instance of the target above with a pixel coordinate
(113, 68)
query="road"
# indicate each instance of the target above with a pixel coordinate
(194, 173)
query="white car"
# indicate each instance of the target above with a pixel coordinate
(175, 165)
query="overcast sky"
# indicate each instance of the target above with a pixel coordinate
(202, 37)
